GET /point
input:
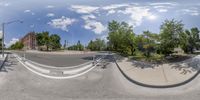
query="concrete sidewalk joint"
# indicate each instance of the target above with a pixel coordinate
(162, 76)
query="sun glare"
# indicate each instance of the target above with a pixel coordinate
(152, 17)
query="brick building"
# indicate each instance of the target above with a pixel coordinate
(29, 41)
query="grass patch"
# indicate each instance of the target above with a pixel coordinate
(153, 58)
(158, 58)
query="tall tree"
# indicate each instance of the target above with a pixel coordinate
(97, 45)
(190, 40)
(170, 35)
(50, 41)
(17, 46)
(80, 47)
(150, 42)
(55, 41)
(121, 37)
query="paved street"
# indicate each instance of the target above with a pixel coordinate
(18, 83)
(64, 60)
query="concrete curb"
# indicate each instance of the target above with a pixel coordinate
(4, 62)
(155, 86)
(58, 67)
(88, 67)
(64, 71)
(54, 67)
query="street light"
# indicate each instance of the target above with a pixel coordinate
(3, 26)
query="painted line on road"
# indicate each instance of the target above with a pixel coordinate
(59, 67)
(77, 70)
(74, 71)
(54, 77)
(37, 68)
(56, 67)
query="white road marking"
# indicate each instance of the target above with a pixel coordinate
(54, 77)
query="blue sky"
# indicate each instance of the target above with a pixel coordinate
(86, 20)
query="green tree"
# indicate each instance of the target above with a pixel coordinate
(97, 45)
(170, 35)
(50, 41)
(190, 40)
(149, 42)
(80, 47)
(121, 37)
(55, 42)
(17, 46)
(91, 46)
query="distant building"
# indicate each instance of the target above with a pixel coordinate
(29, 41)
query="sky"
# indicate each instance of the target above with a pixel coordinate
(87, 20)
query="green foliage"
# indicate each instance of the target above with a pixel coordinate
(50, 41)
(0, 43)
(190, 40)
(147, 42)
(170, 35)
(151, 46)
(97, 45)
(17, 46)
(121, 37)
(78, 47)
(55, 42)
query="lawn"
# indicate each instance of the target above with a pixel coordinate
(158, 58)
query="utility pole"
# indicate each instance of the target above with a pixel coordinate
(3, 32)
(2, 47)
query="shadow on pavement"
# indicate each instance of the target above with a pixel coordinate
(8, 65)
(194, 64)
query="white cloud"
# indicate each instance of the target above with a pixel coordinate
(50, 14)
(32, 13)
(191, 11)
(111, 12)
(13, 41)
(164, 3)
(50, 6)
(136, 14)
(104, 37)
(95, 26)
(87, 17)
(84, 9)
(32, 26)
(27, 11)
(5, 4)
(162, 10)
(114, 6)
(62, 23)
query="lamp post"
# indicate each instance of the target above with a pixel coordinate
(3, 32)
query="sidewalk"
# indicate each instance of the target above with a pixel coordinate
(2, 60)
(159, 75)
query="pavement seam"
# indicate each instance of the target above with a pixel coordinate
(165, 77)
(154, 86)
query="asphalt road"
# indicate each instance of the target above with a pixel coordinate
(58, 60)
(18, 83)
